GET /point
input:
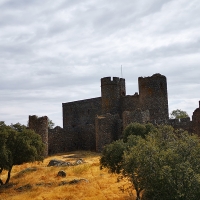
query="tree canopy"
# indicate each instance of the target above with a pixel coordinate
(137, 129)
(165, 164)
(51, 124)
(17, 146)
(177, 114)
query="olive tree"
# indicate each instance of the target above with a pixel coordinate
(18, 147)
(165, 164)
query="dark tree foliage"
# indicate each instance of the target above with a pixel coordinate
(51, 124)
(17, 146)
(163, 164)
(178, 114)
(112, 156)
(18, 127)
(138, 129)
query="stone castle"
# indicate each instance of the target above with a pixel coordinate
(92, 123)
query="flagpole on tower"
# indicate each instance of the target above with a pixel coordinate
(121, 72)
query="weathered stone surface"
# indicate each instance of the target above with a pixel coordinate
(58, 163)
(62, 173)
(135, 116)
(196, 121)
(107, 130)
(40, 126)
(78, 162)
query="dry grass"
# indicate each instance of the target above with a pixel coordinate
(40, 182)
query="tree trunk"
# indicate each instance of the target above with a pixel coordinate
(138, 195)
(1, 182)
(8, 177)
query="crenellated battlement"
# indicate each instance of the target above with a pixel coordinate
(155, 83)
(111, 81)
(156, 75)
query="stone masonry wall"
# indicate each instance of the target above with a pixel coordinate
(81, 112)
(111, 92)
(196, 120)
(80, 137)
(135, 116)
(153, 96)
(108, 129)
(40, 126)
(183, 123)
(86, 135)
(57, 141)
(130, 103)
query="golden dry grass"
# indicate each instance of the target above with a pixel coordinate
(44, 184)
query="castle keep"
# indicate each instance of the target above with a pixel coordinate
(92, 123)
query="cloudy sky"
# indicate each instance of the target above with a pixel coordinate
(53, 52)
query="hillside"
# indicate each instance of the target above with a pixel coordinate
(83, 182)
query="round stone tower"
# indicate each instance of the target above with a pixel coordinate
(111, 92)
(40, 126)
(153, 97)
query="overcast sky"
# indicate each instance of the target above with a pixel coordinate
(53, 52)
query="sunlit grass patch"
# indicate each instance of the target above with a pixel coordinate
(80, 169)
(44, 184)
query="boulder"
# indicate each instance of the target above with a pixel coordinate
(58, 163)
(62, 173)
(78, 162)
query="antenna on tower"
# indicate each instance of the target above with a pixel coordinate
(121, 72)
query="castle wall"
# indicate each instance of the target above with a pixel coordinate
(86, 135)
(81, 112)
(130, 103)
(40, 126)
(183, 123)
(108, 128)
(153, 96)
(135, 116)
(57, 141)
(81, 137)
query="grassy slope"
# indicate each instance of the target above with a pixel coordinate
(43, 184)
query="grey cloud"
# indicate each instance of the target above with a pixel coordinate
(20, 4)
(57, 51)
